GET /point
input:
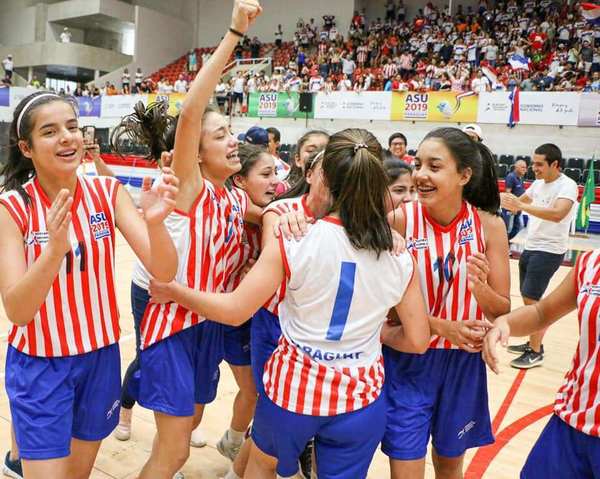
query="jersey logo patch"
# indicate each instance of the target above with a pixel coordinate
(591, 289)
(37, 238)
(417, 243)
(465, 233)
(99, 225)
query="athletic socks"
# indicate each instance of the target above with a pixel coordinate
(235, 437)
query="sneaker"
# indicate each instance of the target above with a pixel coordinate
(123, 429)
(529, 359)
(197, 439)
(12, 469)
(179, 475)
(306, 459)
(518, 348)
(227, 448)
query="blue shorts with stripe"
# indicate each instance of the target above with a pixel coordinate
(563, 451)
(53, 400)
(441, 394)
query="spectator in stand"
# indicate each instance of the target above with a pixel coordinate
(397, 144)
(65, 36)
(34, 83)
(126, 82)
(139, 77)
(255, 47)
(192, 61)
(278, 36)
(282, 169)
(239, 85)
(181, 84)
(9, 67)
(514, 184)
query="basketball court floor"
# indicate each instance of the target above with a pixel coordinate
(520, 402)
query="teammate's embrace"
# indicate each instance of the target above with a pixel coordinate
(325, 378)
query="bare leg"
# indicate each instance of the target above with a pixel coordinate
(407, 469)
(245, 400)
(447, 467)
(260, 465)
(535, 340)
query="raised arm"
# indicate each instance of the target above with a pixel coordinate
(234, 308)
(187, 136)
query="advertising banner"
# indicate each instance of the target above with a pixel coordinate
(435, 106)
(370, 105)
(4, 97)
(589, 110)
(89, 106)
(276, 105)
(17, 93)
(117, 106)
(175, 101)
(536, 108)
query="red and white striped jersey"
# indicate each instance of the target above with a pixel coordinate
(328, 360)
(578, 400)
(280, 207)
(208, 240)
(441, 254)
(80, 313)
(250, 249)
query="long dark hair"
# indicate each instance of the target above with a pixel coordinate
(148, 126)
(482, 189)
(19, 169)
(297, 173)
(354, 173)
(396, 168)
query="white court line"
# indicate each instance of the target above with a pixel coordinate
(123, 339)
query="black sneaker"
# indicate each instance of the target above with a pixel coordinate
(518, 348)
(529, 359)
(306, 459)
(12, 469)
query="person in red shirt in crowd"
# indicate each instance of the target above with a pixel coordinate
(397, 145)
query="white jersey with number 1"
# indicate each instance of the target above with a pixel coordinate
(328, 360)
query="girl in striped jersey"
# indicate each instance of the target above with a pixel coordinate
(460, 247)
(325, 377)
(569, 446)
(58, 286)
(178, 348)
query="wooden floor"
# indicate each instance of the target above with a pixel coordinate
(517, 403)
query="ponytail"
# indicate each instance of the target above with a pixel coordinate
(482, 189)
(357, 180)
(19, 169)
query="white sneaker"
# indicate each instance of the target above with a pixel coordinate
(227, 448)
(197, 439)
(123, 430)
(179, 475)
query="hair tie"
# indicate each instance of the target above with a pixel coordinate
(358, 146)
(27, 106)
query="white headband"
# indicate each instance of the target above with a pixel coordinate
(26, 107)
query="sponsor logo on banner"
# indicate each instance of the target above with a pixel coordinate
(589, 110)
(535, 108)
(174, 100)
(435, 106)
(416, 106)
(267, 104)
(352, 106)
(117, 106)
(89, 106)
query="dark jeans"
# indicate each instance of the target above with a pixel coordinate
(139, 300)
(513, 222)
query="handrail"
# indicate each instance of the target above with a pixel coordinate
(247, 61)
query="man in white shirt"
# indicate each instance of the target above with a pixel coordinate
(549, 203)
(180, 85)
(65, 36)
(8, 66)
(239, 84)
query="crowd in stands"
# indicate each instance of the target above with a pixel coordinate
(538, 45)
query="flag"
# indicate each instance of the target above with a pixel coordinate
(519, 62)
(591, 13)
(589, 196)
(515, 115)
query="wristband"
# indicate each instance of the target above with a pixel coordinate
(236, 32)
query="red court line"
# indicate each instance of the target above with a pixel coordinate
(501, 414)
(485, 455)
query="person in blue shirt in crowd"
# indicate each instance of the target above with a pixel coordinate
(514, 185)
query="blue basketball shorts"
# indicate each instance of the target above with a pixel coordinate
(344, 444)
(266, 332)
(237, 344)
(179, 372)
(53, 400)
(563, 452)
(442, 394)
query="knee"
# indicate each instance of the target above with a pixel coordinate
(174, 454)
(448, 467)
